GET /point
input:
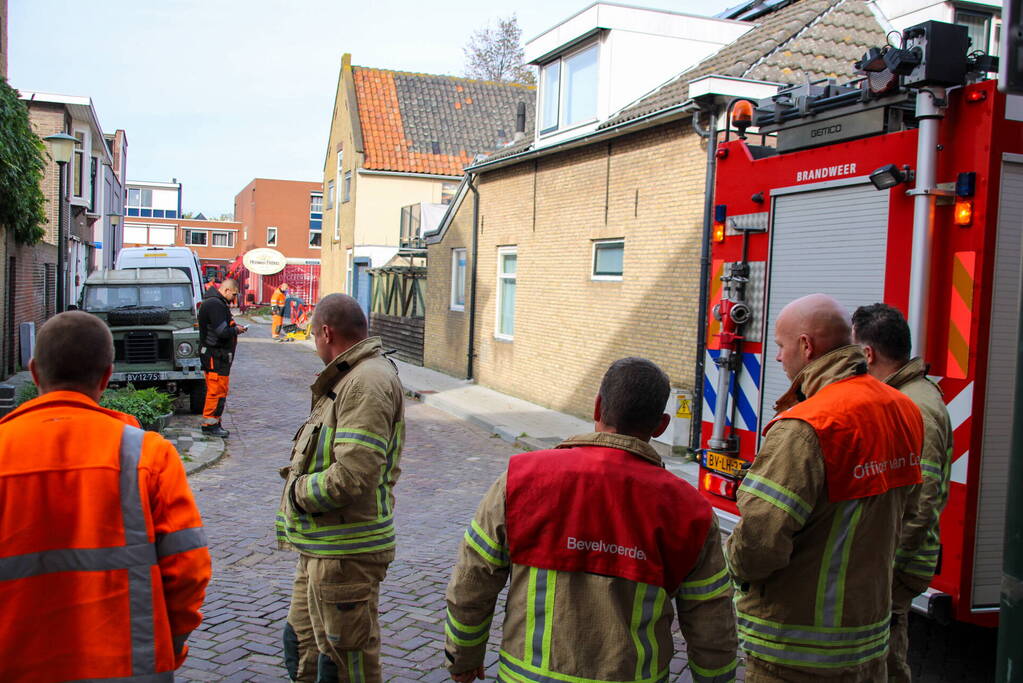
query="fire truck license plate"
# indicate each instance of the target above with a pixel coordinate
(141, 376)
(724, 464)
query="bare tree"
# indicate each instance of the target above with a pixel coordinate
(495, 54)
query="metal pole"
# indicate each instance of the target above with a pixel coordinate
(711, 135)
(1010, 620)
(472, 278)
(59, 305)
(929, 111)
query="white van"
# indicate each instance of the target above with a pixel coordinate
(181, 258)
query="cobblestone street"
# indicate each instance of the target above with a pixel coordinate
(446, 467)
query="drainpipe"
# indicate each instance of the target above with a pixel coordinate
(710, 134)
(472, 277)
(930, 103)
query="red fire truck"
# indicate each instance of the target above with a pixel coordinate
(906, 188)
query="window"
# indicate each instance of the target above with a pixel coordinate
(223, 239)
(608, 257)
(195, 238)
(330, 194)
(458, 279)
(447, 192)
(315, 219)
(507, 263)
(136, 234)
(346, 195)
(315, 239)
(316, 202)
(568, 90)
(271, 236)
(78, 166)
(978, 28)
(163, 236)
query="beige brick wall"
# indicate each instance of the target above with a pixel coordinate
(446, 333)
(646, 188)
(47, 119)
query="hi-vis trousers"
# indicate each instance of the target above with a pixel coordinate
(333, 631)
(216, 364)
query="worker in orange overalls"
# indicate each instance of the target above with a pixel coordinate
(103, 558)
(277, 309)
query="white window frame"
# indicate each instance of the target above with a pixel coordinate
(499, 308)
(335, 194)
(315, 232)
(230, 239)
(593, 260)
(269, 242)
(455, 253)
(330, 195)
(561, 124)
(190, 243)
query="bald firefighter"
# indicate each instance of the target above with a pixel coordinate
(822, 508)
(600, 542)
(884, 335)
(277, 300)
(103, 558)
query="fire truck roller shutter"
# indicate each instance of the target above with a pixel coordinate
(831, 240)
(1000, 390)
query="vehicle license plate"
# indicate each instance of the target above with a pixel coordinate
(724, 464)
(141, 376)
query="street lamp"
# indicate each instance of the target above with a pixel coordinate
(62, 146)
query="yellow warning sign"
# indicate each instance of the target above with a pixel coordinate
(683, 408)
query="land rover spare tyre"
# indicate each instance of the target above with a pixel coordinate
(138, 315)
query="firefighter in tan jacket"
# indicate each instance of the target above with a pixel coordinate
(337, 509)
(884, 335)
(821, 509)
(599, 540)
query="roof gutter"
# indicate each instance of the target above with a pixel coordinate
(650, 120)
(409, 174)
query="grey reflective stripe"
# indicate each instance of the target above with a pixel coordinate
(355, 673)
(140, 589)
(166, 677)
(726, 675)
(837, 553)
(821, 658)
(540, 616)
(363, 437)
(777, 495)
(822, 637)
(522, 672)
(180, 541)
(131, 498)
(347, 532)
(341, 545)
(646, 653)
(76, 560)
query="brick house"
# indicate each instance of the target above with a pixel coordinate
(286, 215)
(399, 141)
(94, 185)
(588, 245)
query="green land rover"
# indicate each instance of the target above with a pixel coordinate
(151, 315)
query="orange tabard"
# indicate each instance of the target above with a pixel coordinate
(870, 435)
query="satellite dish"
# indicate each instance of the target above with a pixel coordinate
(264, 261)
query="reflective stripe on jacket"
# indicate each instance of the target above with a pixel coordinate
(277, 301)
(338, 497)
(564, 625)
(103, 559)
(815, 574)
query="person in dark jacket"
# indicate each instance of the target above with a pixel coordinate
(218, 336)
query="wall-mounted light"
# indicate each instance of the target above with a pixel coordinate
(890, 175)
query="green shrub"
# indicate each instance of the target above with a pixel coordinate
(145, 404)
(22, 161)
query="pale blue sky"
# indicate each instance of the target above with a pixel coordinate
(217, 92)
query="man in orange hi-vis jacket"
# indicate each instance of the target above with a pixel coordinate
(103, 559)
(277, 309)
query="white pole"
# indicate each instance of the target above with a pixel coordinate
(929, 112)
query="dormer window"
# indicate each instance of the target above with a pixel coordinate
(568, 90)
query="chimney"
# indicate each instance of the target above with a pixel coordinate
(520, 122)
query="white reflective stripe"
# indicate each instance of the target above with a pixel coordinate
(166, 677)
(180, 541)
(76, 560)
(140, 589)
